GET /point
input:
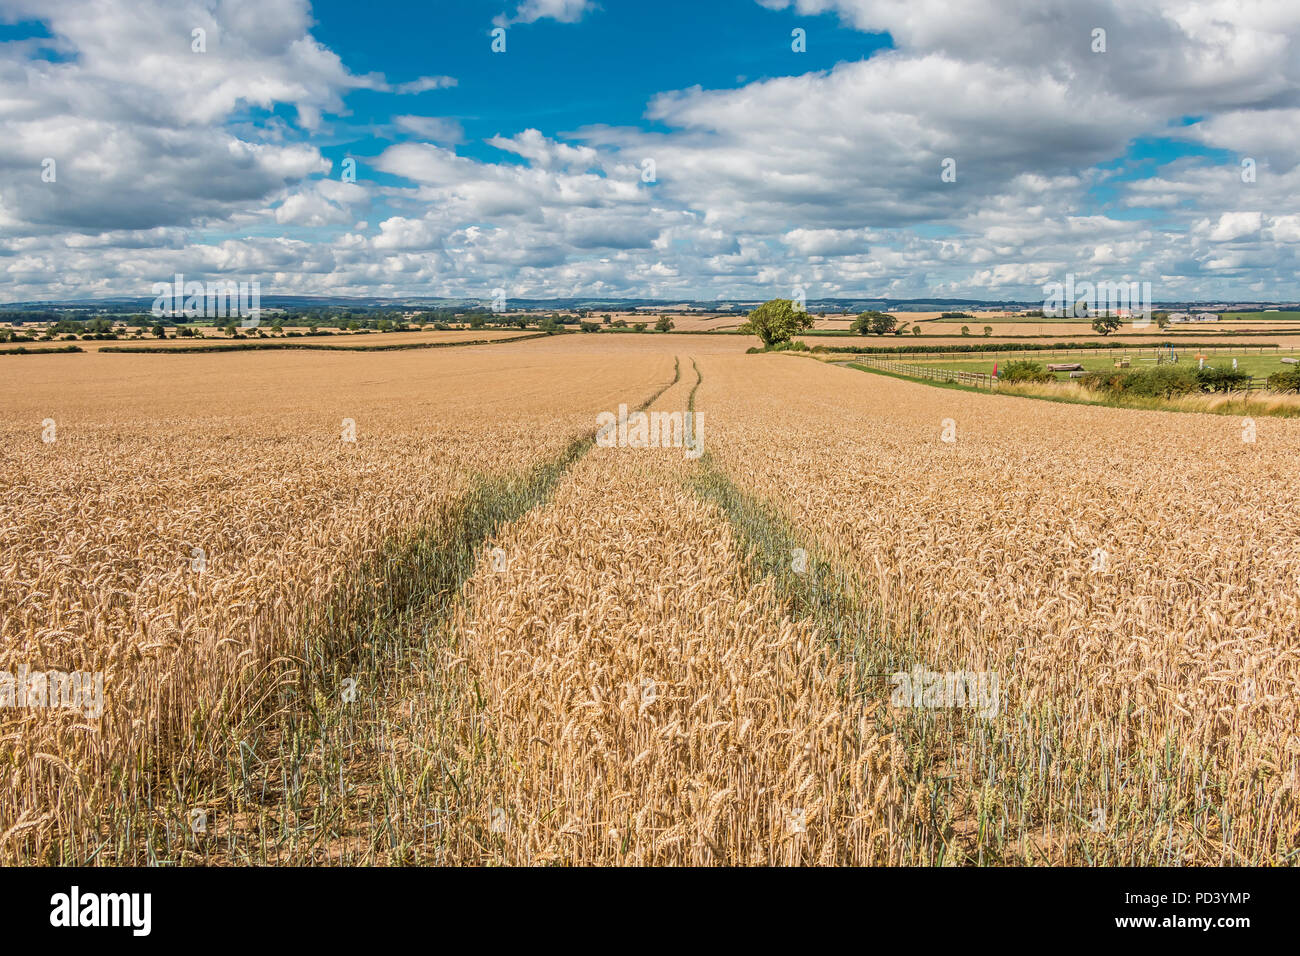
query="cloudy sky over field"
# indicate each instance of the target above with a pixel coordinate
(650, 149)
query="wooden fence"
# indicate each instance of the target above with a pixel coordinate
(982, 379)
(1134, 351)
(978, 379)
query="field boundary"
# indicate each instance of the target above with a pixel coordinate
(1011, 353)
(1114, 337)
(23, 350)
(1006, 390)
(1063, 348)
(987, 380)
(977, 379)
(309, 346)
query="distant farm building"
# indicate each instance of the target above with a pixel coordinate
(1193, 317)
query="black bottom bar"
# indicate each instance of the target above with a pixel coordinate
(334, 907)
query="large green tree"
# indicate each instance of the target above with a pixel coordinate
(1105, 323)
(775, 321)
(876, 323)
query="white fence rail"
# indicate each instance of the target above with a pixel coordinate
(984, 379)
(932, 373)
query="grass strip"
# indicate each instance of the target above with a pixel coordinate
(1235, 408)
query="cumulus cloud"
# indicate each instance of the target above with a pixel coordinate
(831, 179)
(134, 123)
(322, 202)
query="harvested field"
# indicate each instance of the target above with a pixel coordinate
(209, 337)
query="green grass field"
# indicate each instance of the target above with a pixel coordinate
(982, 321)
(1255, 364)
(1226, 316)
(1254, 316)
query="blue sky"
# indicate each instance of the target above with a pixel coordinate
(1167, 151)
(559, 77)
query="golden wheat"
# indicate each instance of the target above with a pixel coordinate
(643, 703)
(193, 528)
(1133, 576)
(622, 678)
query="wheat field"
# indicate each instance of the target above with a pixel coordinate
(201, 531)
(1133, 576)
(471, 636)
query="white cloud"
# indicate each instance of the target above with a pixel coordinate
(170, 160)
(324, 202)
(826, 242)
(545, 153)
(424, 84)
(530, 11)
(1232, 226)
(431, 128)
